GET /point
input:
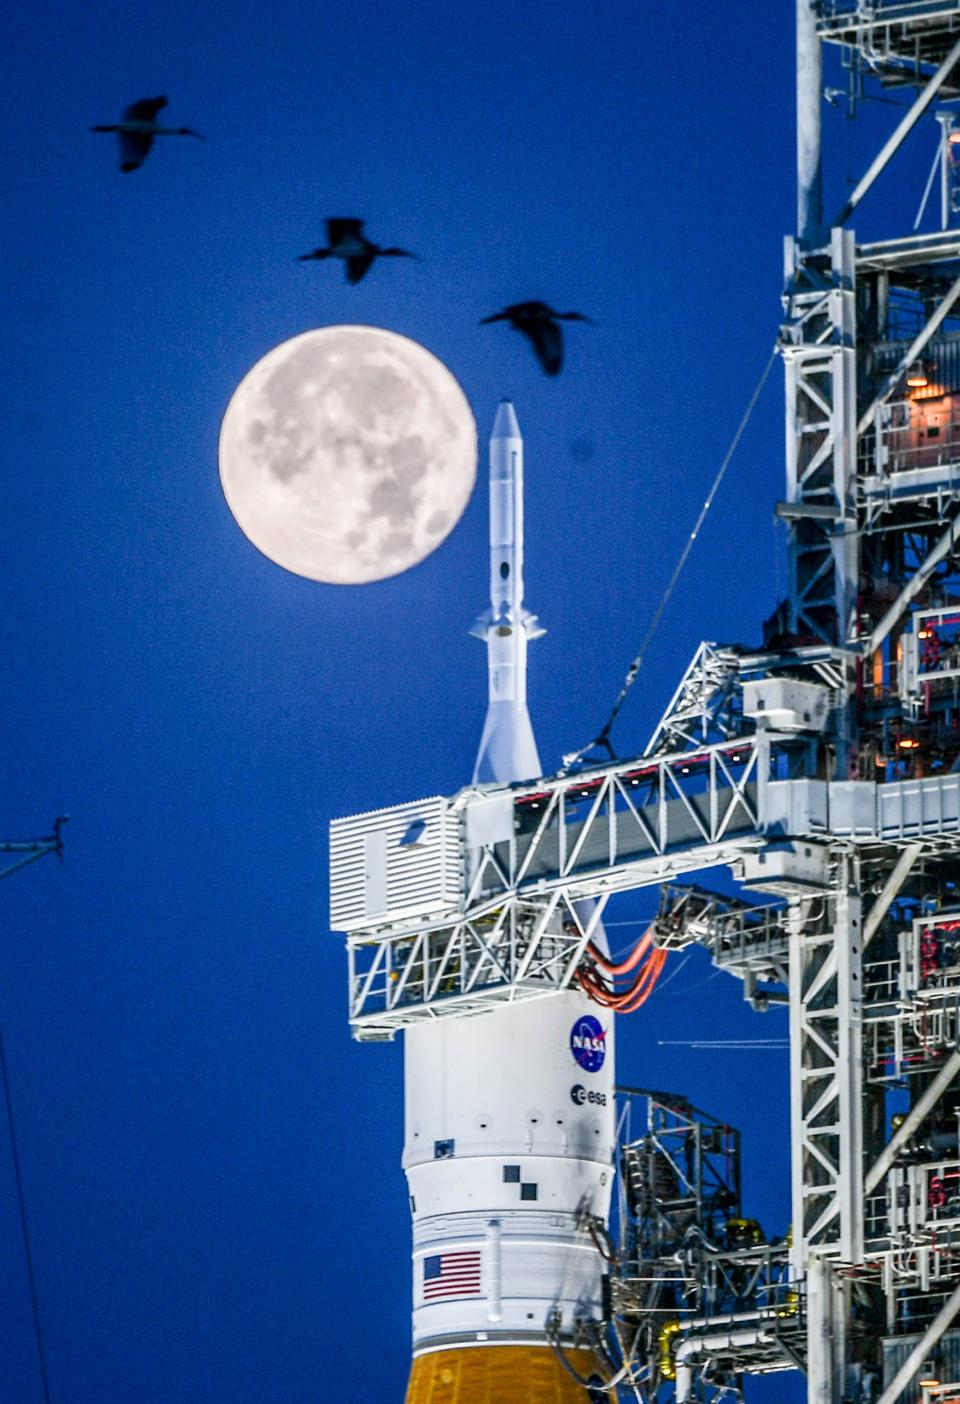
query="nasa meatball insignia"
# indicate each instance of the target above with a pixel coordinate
(588, 1043)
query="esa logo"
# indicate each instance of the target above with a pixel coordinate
(580, 1095)
(588, 1043)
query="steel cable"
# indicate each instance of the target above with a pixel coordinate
(24, 1226)
(602, 738)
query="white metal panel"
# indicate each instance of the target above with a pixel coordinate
(853, 808)
(794, 807)
(374, 872)
(912, 808)
(488, 819)
(530, 1266)
(545, 1275)
(788, 704)
(446, 1189)
(788, 870)
(392, 864)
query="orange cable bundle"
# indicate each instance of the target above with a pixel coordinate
(598, 958)
(599, 977)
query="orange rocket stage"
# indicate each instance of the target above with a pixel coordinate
(498, 1375)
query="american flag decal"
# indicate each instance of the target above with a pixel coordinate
(451, 1275)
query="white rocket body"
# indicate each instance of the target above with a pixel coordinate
(510, 1129)
(508, 750)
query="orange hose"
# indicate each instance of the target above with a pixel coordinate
(658, 960)
(598, 957)
(640, 989)
(624, 1001)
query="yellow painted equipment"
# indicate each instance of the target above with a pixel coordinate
(744, 1233)
(498, 1375)
(666, 1344)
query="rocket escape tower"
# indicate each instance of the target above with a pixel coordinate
(822, 769)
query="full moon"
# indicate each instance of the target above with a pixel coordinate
(348, 454)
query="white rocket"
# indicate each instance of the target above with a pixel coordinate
(508, 750)
(510, 1130)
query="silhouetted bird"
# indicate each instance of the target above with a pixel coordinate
(539, 324)
(138, 129)
(348, 241)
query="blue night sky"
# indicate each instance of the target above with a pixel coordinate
(211, 1164)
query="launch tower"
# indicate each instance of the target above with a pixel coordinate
(822, 768)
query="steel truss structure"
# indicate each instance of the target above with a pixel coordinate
(823, 769)
(691, 1270)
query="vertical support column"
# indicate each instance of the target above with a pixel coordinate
(826, 1090)
(820, 355)
(843, 316)
(846, 541)
(820, 1352)
(809, 90)
(799, 956)
(945, 122)
(848, 941)
(826, 1071)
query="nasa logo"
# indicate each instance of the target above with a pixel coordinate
(588, 1043)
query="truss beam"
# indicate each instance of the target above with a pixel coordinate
(529, 858)
(898, 876)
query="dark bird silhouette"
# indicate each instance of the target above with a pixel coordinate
(540, 325)
(138, 129)
(348, 241)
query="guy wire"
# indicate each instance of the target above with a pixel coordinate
(602, 738)
(22, 1203)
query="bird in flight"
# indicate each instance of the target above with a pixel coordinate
(540, 325)
(138, 129)
(348, 241)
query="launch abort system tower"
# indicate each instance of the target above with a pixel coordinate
(823, 769)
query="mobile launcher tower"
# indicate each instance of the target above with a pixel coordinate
(822, 769)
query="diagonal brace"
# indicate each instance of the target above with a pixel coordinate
(922, 1349)
(893, 884)
(913, 1119)
(925, 335)
(899, 136)
(914, 585)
